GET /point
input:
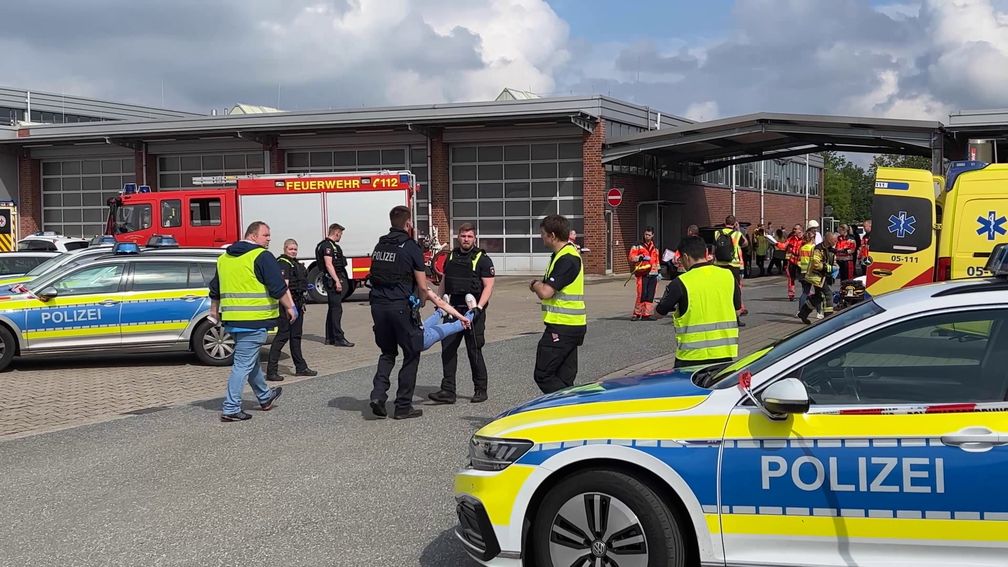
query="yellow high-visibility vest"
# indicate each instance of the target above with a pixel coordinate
(243, 296)
(709, 328)
(567, 306)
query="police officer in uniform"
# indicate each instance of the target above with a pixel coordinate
(398, 287)
(706, 301)
(296, 277)
(330, 260)
(562, 293)
(468, 270)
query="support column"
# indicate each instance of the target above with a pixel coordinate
(439, 190)
(594, 200)
(29, 193)
(148, 176)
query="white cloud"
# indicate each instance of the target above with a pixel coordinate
(702, 111)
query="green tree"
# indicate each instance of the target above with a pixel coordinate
(844, 187)
(895, 160)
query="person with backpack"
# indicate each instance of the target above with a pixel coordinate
(728, 243)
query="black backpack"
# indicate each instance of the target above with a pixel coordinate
(724, 247)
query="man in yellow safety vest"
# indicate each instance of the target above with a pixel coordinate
(704, 301)
(246, 294)
(563, 308)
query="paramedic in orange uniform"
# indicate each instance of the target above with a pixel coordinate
(644, 261)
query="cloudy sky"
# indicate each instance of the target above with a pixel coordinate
(704, 60)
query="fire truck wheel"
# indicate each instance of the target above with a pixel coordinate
(316, 289)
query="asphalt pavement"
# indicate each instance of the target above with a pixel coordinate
(316, 481)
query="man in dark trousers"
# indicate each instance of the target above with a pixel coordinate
(468, 270)
(562, 293)
(705, 300)
(296, 277)
(330, 260)
(398, 287)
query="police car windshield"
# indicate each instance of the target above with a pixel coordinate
(762, 359)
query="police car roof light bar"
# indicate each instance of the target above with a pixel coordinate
(126, 248)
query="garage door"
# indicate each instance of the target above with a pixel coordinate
(506, 189)
(74, 193)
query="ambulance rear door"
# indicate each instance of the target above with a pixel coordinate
(980, 221)
(902, 243)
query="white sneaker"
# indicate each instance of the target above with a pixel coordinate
(470, 301)
(446, 298)
(818, 315)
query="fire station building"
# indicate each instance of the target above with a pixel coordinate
(502, 165)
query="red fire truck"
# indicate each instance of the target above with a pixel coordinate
(298, 206)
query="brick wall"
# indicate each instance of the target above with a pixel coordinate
(636, 189)
(29, 193)
(152, 169)
(708, 206)
(277, 159)
(439, 189)
(594, 200)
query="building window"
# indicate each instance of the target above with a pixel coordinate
(177, 171)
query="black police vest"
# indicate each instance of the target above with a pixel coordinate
(297, 281)
(386, 269)
(461, 275)
(339, 260)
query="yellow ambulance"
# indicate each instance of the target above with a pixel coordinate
(929, 228)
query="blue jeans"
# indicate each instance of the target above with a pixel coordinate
(434, 331)
(246, 368)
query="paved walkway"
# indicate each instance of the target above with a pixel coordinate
(49, 394)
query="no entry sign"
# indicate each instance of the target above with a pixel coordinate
(614, 197)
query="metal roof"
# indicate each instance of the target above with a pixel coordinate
(69, 104)
(981, 122)
(756, 137)
(583, 111)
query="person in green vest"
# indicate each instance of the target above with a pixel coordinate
(704, 303)
(563, 308)
(246, 294)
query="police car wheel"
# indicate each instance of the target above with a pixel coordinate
(7, 347)
(603, 517)
(213, 345)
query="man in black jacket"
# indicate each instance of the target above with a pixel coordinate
(330, 260)
(468, 271)
(297, 281)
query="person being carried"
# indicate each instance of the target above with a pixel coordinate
(446, 321)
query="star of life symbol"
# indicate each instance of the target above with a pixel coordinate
(901, 224)
(992, 225)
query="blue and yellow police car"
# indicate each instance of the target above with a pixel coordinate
(876, 437)
(123, 299)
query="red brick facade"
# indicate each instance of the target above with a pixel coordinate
(440, 191)
(29, 193)
(594, 200)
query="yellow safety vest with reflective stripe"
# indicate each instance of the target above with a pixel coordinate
(805, 256)
(709, 328)
(243, 296)
(736, 238)
(567, 306)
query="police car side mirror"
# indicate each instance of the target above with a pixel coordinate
(48, 293)
(785, 397)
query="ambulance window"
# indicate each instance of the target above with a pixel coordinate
(205, 212)
(155, 276)
(89, 280)
(946, 358)
(902, 225)
(171, 213)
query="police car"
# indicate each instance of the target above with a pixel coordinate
(126, 299)
(877, 437)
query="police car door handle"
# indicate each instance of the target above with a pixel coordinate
(975, 439)
(109, 302)
(189, 297)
